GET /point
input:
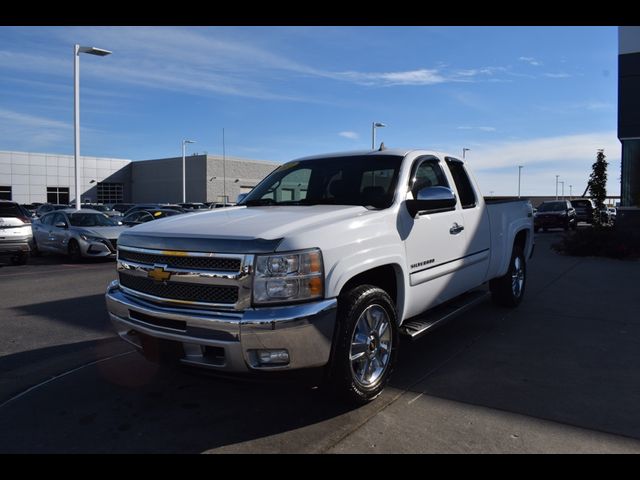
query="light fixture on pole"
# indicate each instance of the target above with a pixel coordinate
(77, 50)
(184, 175)
(464, 151)
(557, 186)
(375, 125)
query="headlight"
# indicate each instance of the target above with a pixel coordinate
(289, 277)
(90, 238)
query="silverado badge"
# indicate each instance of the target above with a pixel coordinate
(159, 274)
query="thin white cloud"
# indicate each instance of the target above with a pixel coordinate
(531, 61)
(410, 77)
(32, 132)
(548, 150)
(569, 156)
(350, 135)
(557, 75)
(482, 129)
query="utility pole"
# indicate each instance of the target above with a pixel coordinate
(557, 186)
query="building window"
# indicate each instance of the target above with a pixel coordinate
(58, 195)
(110, 192)
(5, 193)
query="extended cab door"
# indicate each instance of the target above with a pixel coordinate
(435, 242)
(477, 229)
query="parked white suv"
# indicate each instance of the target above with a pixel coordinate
(15, 232)
(324, 264)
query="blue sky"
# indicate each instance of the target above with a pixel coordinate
(542, 97)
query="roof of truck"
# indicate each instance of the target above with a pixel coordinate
(398, 152)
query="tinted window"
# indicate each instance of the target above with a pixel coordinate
(90, 220)
(368, 180)
(428, 174)
(10, 210)
(463, 184)
(58, 217)
(47, 219)
(553, 207)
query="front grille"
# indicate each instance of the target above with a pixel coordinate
(181, 291)
(198, 263)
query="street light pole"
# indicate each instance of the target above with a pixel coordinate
(557, 186)
(184, 171)
(464, 151)
(519, 176)
(570, 192)
(224, 171)
(375, 125)
(77, 50)
(562, 182)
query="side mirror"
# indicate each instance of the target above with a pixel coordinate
(433, 199)
(61, 225)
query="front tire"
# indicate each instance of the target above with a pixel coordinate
(74, 251)
(508, 290)
(366, 344)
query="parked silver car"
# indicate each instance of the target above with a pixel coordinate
(84, 233)
(15, 232)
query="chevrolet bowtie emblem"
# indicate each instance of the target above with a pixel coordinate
(159, 274)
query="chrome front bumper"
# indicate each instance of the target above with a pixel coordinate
(304, 330)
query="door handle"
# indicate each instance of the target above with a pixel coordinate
(455, 229)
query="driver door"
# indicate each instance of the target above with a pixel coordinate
(435, 242)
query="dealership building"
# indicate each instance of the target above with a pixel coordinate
(46, 177)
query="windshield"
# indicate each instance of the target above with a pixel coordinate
(553, 207)
(367, 180)
(90, 220)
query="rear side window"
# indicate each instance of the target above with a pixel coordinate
(10, 210)
(463, 184)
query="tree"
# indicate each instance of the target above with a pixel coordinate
(598, 185)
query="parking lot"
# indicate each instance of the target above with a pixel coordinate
(558, 374)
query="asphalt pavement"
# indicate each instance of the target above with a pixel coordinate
(557, 374)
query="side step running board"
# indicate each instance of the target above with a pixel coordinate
(417, 326)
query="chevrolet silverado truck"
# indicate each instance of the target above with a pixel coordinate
(322, 266)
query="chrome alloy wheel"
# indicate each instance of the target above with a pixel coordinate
(370, 346)
(517, 277)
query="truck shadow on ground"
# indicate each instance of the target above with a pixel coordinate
(127, 404)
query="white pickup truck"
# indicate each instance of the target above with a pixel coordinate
(324, 264)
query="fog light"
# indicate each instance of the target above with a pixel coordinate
(273, 357)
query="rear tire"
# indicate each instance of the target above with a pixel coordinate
(20, 259)
(35, 251)
(508, 290)
(365, 344)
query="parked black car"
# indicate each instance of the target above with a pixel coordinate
(555, 214)
(142, 216)
(584, 209)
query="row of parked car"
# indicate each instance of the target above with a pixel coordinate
(91, 232)
(567, 213)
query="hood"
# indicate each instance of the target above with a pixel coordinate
(106, 232)
(241, 229)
